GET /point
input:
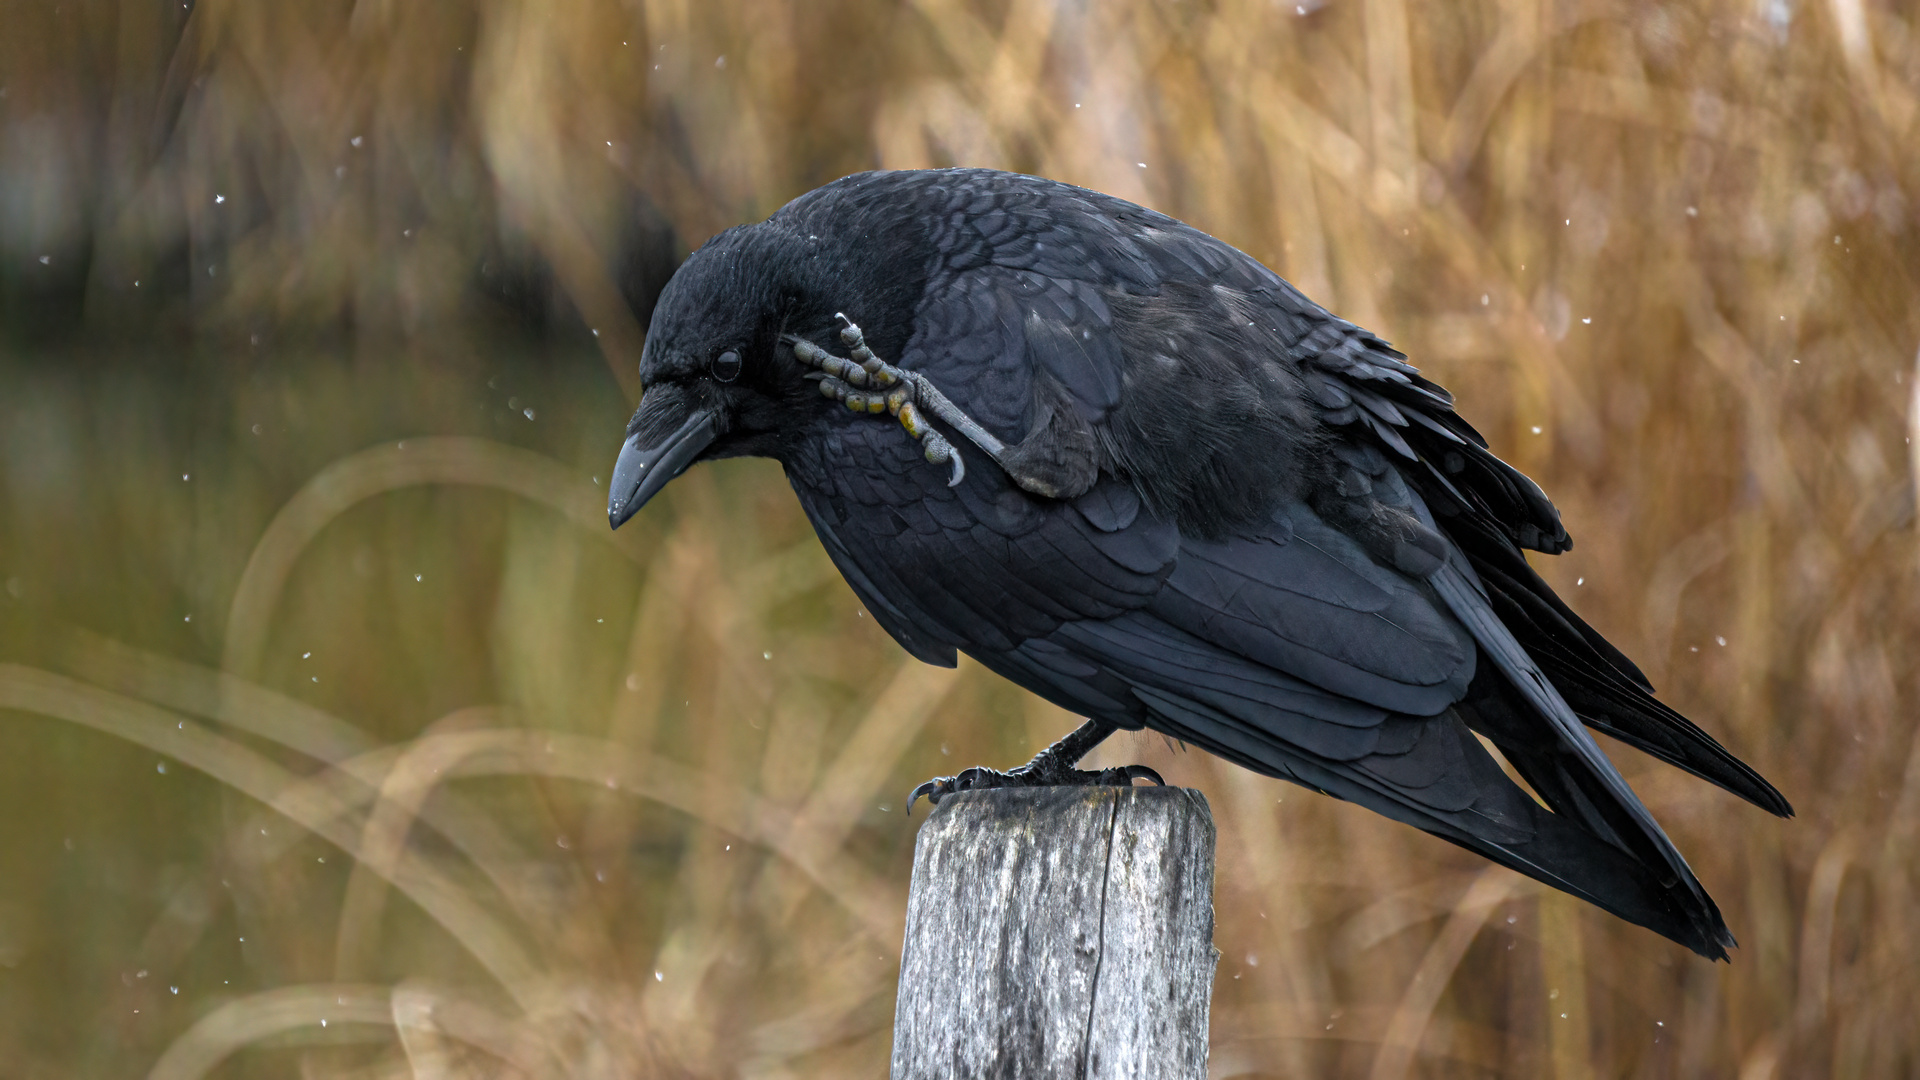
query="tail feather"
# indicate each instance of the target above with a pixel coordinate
(1597, 681)
(1563, 850)
(1580, 783)
(1623, 710)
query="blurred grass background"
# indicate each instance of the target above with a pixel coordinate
(341, 739)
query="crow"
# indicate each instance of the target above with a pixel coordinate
(1129, 468)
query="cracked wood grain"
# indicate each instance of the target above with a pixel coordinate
(1059, 932)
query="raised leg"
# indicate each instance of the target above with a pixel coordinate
(1051, 767)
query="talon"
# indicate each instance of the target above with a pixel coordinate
(931, 789)
(941, 452)
(976, 777)
(1141, 772)
(850, 335)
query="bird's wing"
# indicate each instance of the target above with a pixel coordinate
(1364, 389)
(1489, 511)
(982, 565)
(1360, 383)
(1292, 652)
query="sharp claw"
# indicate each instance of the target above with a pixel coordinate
(931, 789)
(1125, 775)
(968, 779)
(1141, 772)
(959, 470)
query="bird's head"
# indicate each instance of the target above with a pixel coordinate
(719, 372)
(720, 375)
(718, 382)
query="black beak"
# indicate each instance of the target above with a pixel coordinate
(648, 461)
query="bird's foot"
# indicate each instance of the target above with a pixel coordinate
(867, 384)
(1052, 767)
(1028, 776)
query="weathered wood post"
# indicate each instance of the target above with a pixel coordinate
(1059, 932)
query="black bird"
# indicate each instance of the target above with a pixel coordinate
(1131, 469)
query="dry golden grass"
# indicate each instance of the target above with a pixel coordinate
(492, 792)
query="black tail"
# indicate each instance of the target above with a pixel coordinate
(1602, 686)
(1432, 774)
(1590, 845)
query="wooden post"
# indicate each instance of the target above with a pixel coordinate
(1059, 932)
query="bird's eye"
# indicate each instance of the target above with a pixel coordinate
(726, 366)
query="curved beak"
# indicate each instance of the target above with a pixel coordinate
(656, 453)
